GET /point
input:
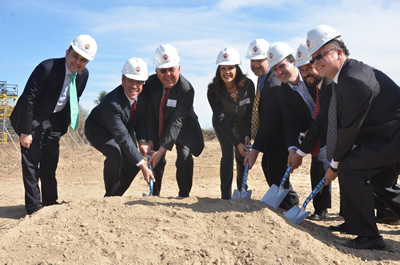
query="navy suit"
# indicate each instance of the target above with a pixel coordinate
(270, 139)
(34, 114)
(181, 128)
(110, 129)
(368, 144)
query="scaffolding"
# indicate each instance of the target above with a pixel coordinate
(8, 98)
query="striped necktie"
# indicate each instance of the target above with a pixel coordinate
(255, 115)
(331, 136)
(316, 148)
(73, 103)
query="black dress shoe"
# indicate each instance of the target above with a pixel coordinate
(338, 228)
(363, 242)
(319, 215)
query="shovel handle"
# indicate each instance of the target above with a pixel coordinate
(287, 174)
(314, 192)
(150, 181)
(245, 173)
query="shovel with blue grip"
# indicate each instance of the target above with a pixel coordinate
(150, 181)
(297, 215)
(275, 194)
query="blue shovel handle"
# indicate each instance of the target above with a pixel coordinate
(245, 173)
(150, 181)
(287, 174)
(314, 192)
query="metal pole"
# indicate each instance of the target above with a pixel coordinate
(12, 140)
(70, 135)
(66, 143)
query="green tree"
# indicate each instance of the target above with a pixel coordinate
(102, 94)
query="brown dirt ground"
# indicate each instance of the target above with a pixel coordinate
(201, 229)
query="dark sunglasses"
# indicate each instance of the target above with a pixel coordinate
(164, 70)
(320, 56)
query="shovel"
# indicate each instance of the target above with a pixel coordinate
(275, 194)
(297, 215)
(150, 181)
(243, 193)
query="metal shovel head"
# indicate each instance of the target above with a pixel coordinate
(241, 194)
(274, 196)
(297, 215)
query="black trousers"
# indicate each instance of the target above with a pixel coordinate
(184, 171)
(229, 152)
(274, 165)
(39, 162)
(118, 172)
(319, 165)
(359, 188)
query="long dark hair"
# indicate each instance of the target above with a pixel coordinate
(240, 81)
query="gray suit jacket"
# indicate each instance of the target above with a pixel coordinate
(368, 105)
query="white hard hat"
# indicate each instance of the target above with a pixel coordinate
(166, 56)
(85, 45)
(277, 52)
(228, 56)
(135, 68)
(302, 57)
(320, 35)
(257, 49)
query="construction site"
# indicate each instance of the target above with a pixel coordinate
(8, 98)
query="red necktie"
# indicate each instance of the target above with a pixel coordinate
(316, 148)
(133, 109)
(161, 114)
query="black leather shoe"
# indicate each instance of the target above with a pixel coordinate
(363, 242)
(338, 228)
(319, 215)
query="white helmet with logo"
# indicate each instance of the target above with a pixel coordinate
(228, 56)
(257, 49)
(85, 45)
(277, 52)
(302, 57)
(135, 68)
(320, 35)
(166, 56)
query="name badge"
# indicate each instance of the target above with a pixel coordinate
(171, 103)
(244, 102)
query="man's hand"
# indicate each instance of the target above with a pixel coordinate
(242, 149)
(143, 148)
(26, 140)
(147, 174)
(296, 161)
(292, 152)
(156, 156)
(330, 176)
(247, 140)
(251, 158)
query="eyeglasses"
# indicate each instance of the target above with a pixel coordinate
(164, 70)
(319, 56)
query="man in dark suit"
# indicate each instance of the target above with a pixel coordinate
(268, 137)
(172, 120)
(314, 140)
(366, 150)
(114, 126)
(42, 116)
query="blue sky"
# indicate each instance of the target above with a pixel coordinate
(32, 31)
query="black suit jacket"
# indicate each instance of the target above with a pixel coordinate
(111, 119)
(318, 128)
(40, 96)
(232, 116)
(270, 132)
(296, 115)
(368, 103)
(180, 121)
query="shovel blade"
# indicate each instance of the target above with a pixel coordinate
(241, 194)
(274, 196)
(296, 215)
